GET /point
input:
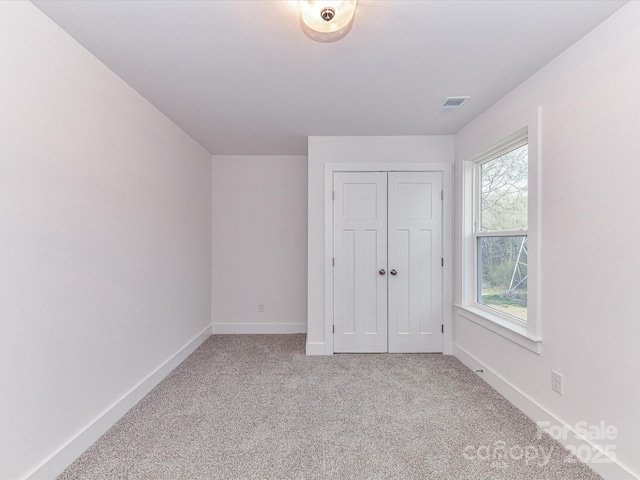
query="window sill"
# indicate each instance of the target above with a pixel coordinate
(516, 333)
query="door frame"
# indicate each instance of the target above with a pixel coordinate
(447, 238)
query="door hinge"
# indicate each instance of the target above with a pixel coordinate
(333, 195)
(443, 328)
(334, 329)
(442, 262)
(441, 194)
(333, 262)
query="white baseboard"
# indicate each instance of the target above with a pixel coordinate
(612, 469)
(316, 348)
(258, 328)
(57, 462)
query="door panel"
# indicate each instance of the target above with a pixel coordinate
(415, 252)
(360, 250)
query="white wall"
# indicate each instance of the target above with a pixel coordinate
(324, 150)
(260, 244)
(105, 236)
(590, 235)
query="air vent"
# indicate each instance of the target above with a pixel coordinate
(454, 102)
(450, 104)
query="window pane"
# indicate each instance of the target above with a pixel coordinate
(502, 274)
(503, 191)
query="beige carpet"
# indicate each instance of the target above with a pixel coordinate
(255, 407)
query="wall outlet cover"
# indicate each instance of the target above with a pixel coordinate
(556, 382)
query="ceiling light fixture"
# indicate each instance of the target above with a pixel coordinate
(327, 20)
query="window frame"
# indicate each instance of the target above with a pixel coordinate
(526, 334)
(519, 139)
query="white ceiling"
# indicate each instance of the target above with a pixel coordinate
(240, 76)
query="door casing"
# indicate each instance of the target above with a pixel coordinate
(447, 235)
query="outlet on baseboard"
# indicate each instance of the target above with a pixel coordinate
(556, 382)
(260, 307)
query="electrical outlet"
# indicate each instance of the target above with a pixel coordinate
(556, 382)
(260, 307)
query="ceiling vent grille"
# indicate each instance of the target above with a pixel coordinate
(450, 104)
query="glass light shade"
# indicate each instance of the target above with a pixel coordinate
(321, 30)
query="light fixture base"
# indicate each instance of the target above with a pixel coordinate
(327, 20)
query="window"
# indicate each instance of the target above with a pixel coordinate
(500, 230)
(500, 287)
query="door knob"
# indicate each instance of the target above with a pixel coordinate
(382, 272)
(393, 272)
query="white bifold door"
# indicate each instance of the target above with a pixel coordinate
(387, 267)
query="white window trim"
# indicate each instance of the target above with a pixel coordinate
(527, 335)
(505, 146)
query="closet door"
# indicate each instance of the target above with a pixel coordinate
(415, 255)
(360, 262)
